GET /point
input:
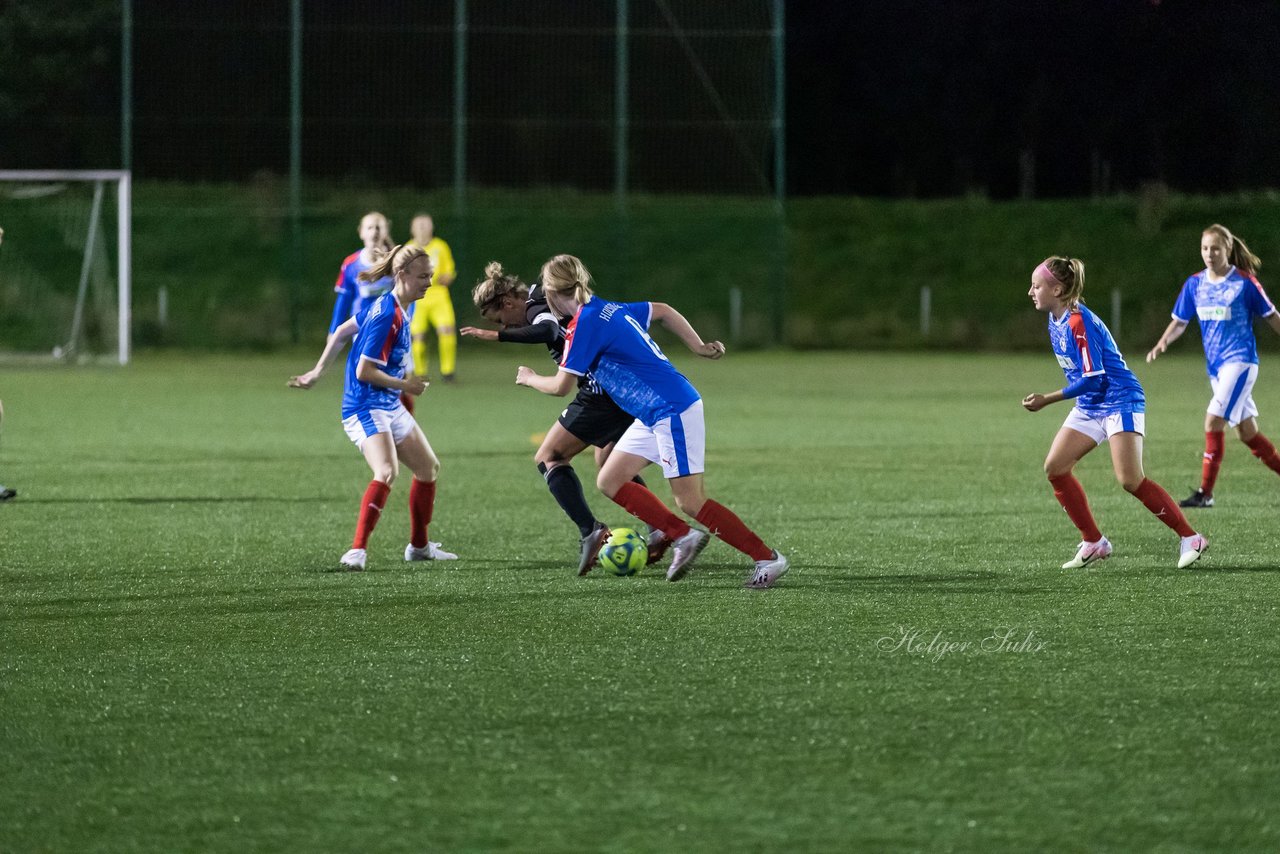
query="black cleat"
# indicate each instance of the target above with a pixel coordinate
(1197, 499)
(658, 545)
(591, 545)
(6, 493)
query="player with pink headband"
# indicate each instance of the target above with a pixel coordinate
(1110, 406)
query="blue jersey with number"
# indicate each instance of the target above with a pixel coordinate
(1226, 311)
(1084, 348)
(354, 296)
(610, 340)
(384, 340)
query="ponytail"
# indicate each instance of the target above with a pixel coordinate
(497, 284)
(1237, 253)
(393, 262)
(565, 275)
(1069, 272)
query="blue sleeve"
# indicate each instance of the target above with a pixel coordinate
(583, 345)
(1185, 308)
(341, 309)
(641, 311)
(375, 329)
(1256, 298)
(1084, 385)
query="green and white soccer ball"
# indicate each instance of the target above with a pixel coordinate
(625, 552)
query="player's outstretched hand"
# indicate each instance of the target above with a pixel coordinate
(304, 381)
(1033, 402)
(482, 334)
(415, 385)
(711, 350)
(1157, 351)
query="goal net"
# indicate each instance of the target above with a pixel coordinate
(65, 264)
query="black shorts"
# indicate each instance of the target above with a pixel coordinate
(595, 419)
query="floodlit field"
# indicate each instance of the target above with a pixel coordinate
(178, 671)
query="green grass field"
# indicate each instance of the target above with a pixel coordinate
(178, 672)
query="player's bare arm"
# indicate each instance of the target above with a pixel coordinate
(1171, 333)
(369, 372)
(1034, 402)
(682, 329)
(558, 385)
(332, 347)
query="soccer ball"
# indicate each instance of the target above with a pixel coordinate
(625, 552)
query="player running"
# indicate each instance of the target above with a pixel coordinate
(1225, 297)
(372, 414)
(1110, 406)
(610, 341)
(592, 418)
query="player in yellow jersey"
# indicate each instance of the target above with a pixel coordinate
(436, 308)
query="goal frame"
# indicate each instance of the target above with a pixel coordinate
(123, 179)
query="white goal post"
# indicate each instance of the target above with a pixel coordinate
(123, 182)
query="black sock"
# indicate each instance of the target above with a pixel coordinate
(567, 491)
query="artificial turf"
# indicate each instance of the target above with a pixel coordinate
(178, 670)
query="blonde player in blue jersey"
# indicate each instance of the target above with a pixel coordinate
(353, 294)
(372, 414)
(611, 341)
(1225, 297)
(1110, 407)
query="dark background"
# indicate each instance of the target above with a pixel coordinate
(894, 98)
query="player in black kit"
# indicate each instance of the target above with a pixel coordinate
(592, 418)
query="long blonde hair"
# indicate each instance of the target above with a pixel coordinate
(1070, 274)
(393, 262)
(566, 276)
(1237, 253)
(497, 284)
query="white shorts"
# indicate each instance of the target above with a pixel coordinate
(398, 422)
(1233, 392)
(1099, 428)
(678, 443)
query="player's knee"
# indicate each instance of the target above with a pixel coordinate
(385, 473)
(690, 505)
(1129, 482)
(608, 486)
(1056, 468)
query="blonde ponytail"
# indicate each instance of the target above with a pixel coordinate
(565, 275)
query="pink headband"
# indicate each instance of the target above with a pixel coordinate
(1044, 270)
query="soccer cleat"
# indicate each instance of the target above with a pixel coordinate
(1199, 498)
(353, 561)
(658, 545)
(431, 551)
(1190, 549)
(769, 571)
(1088, 553)
(591, 545)
(6, 493)
(687, 549)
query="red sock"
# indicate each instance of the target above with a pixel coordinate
(1212, 461)
(422, 500)
(1070, 495)
(1262, 448)
(648, 508)
(1153, 496)
(726, 525)
(407, 399)
(370, 512)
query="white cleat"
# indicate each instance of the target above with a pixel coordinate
(353, 561)
(769, 571)
(1190, 549)
(1088, 553)
(431, 551)
(685, 549)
